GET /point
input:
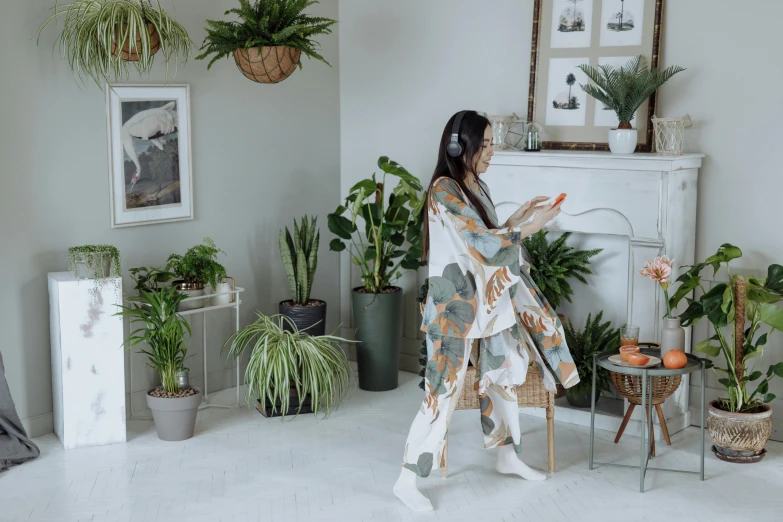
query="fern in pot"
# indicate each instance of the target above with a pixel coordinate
(268, 39)
(299, 253)
(624, 90)
(163, 330)
(594, 338)
(102, 39)
(378, 249)
(290, 371)
(197, 268)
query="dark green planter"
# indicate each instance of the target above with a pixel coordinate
(582, 400)
(378, 322)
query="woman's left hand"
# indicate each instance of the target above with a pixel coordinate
(525, 211)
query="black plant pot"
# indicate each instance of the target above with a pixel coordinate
(378, 322)
(311, 319)
(582, 400)
(295, 406)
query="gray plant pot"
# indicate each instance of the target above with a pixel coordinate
(378, 322)
(582, 400)
(84, 269)
(310, 319)
(175, 419)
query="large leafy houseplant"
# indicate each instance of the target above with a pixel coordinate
(199, 265)
(282, 359)
(377, 248)
(553, 264)
(266, 24)
(734, 304)
(102, 38)
(625, 89)
(594, 338)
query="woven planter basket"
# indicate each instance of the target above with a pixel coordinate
(133, 56)
(268, 64)
(630, 386)
(670, 134)
(739, 434)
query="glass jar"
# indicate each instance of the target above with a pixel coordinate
(533, 135)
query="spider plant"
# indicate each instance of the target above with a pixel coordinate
(281, 360)
(625, 89)
(102, 38)
(163, 329)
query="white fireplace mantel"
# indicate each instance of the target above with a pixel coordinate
(646, 198)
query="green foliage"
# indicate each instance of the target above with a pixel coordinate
(553, 264)
(93, 255)
(626, 88)
(281, 360)
(266, 22)
(300, 258)
(90, 30)
(718, 305)
(376, 247)
(148, 279)
(199, 264)
(596, 337)
(162, 329)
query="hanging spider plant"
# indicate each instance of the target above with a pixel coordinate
(102, 38)
(282, 360)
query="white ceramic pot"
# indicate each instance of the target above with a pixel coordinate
(623, 141)
(221, 294)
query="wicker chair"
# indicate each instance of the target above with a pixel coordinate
(531, 394)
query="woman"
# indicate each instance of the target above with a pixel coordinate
(479, 288)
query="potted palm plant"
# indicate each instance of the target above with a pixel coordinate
(596, 337)
(740, 423)
(290, 370)
(102, 38)
(268, 40)
(195, 269)
(624, 90)
(162, 329)
(377, 248)
(300, 259)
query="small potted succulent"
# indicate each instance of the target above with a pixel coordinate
(290, 370)
(268, 40)
(197, 268)
(162, 330)
(624, 90)
(300, 259)
(596, 337)
(102, 38)
(149, 279)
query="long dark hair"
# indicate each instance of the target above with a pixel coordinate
(460, 169)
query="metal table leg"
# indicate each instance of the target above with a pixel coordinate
(703, 378)
(643, 451)
(592, 411)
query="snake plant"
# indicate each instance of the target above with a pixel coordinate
(300, 258)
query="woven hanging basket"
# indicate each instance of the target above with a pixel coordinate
(268, 64)
(133, 56)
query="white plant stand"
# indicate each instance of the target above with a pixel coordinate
(204, 310)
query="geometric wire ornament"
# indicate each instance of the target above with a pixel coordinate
(670, 134)
(267, 64)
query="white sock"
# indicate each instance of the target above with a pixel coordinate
(405, 489)
(509, 463)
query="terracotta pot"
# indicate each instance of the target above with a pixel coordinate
(268, 64)
(739, 437)
(133, 56)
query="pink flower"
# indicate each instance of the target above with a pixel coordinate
(659, 269)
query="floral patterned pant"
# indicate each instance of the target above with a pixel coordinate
(499, 414)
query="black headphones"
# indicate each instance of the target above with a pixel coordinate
(454, 147)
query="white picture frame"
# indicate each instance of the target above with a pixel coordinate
(150, 160)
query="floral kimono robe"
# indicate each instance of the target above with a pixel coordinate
(480, 288)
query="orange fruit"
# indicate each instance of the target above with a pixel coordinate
(637, 359)
(627, 350)
(675, 359)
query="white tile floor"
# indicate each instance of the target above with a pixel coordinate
(241, 466)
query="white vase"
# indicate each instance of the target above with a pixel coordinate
(221, 294)
(623, 141)
(672, 336)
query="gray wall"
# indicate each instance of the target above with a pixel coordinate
(262, 155)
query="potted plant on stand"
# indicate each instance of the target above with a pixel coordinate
(174, 408)
(290, 370)
(149, 279)
(741, 423)
(300, 259)
(377, 249)
(102, 38)
(268, 39)
(624, 90)
(596, 337)
(195, 269)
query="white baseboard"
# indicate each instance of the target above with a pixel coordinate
(39, 425)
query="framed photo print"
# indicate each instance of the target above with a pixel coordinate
(150, 167)
(569, 33)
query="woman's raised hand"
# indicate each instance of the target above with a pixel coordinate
(525, 211)
(545, 215)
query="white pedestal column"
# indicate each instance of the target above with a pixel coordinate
(88, 363)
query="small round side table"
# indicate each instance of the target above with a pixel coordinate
(694, 364)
